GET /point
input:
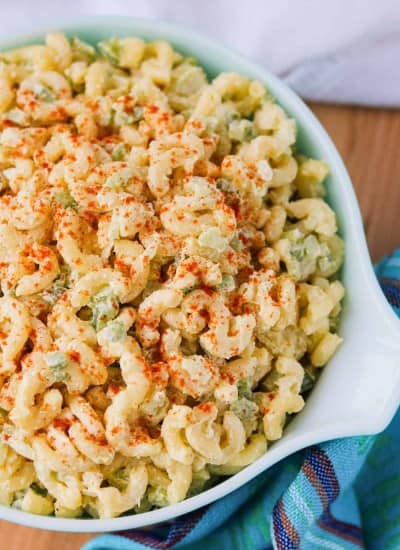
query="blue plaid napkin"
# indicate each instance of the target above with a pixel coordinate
(340, 495)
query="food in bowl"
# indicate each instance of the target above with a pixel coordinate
(169, 276)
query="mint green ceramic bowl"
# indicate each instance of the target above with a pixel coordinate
(359, 390)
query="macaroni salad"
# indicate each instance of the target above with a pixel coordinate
(168, 276)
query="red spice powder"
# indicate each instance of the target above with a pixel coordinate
(205, 407)
(114, 390)
(61, 423)
(75, 356)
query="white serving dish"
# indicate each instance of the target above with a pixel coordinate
(359, 391)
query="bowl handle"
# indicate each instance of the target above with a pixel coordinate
(359, 390)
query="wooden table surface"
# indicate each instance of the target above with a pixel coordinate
(369, 141)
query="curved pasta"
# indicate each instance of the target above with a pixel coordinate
(16, 325)
(168, 275)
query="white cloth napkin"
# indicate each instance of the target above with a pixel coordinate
(342, 51)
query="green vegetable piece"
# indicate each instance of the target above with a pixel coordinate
(44, 94)
(143, 506)
(331, 256)
(66, 200)
(105, 307)
(302, 254)
(121, 117)
(137, 114)
(225, 185)
(82, 51)
(310, 176)
(158, 496)
(311, 246)
(306, 249)
(229, 114)
(189, 80)
(56, 359)
(119, 478)
(119, 152)
(247, 412)
(57, 363)
(201, 480)
(212, 238)
(227, 284)
(212, 124)
(52, 295)
(113, 182)
(244, 409)
(110, 50)
(119, 179)
(244, 387)
(114, 331)
(241, 130)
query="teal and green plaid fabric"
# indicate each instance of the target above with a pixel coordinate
(340, 495)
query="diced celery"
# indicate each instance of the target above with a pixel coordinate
(331, 256)
(56, 360)
(153, 406)
(310, 176)
(158, 496)
(114, 182)
(225, 185)
(311, 246)
(241, 130)
(227, 284)
(200, 481)
(119, 478)
(244, 409)
(189, 79)
(57, 363)
(105, 307)
(43, 93)
(143, 506)
(119, 152)
(118, 180)
(212, 238)
(211, 124)
(110, 50)
(57, 289)
(82, 50)
(122, 118)
(114, 331)
(302, 253)
(66, 200)
(247, 412)
(244, 387)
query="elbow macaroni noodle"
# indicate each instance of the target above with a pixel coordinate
(168, 275)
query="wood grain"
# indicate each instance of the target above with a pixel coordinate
(369, 142)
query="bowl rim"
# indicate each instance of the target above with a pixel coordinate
(195, 40)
